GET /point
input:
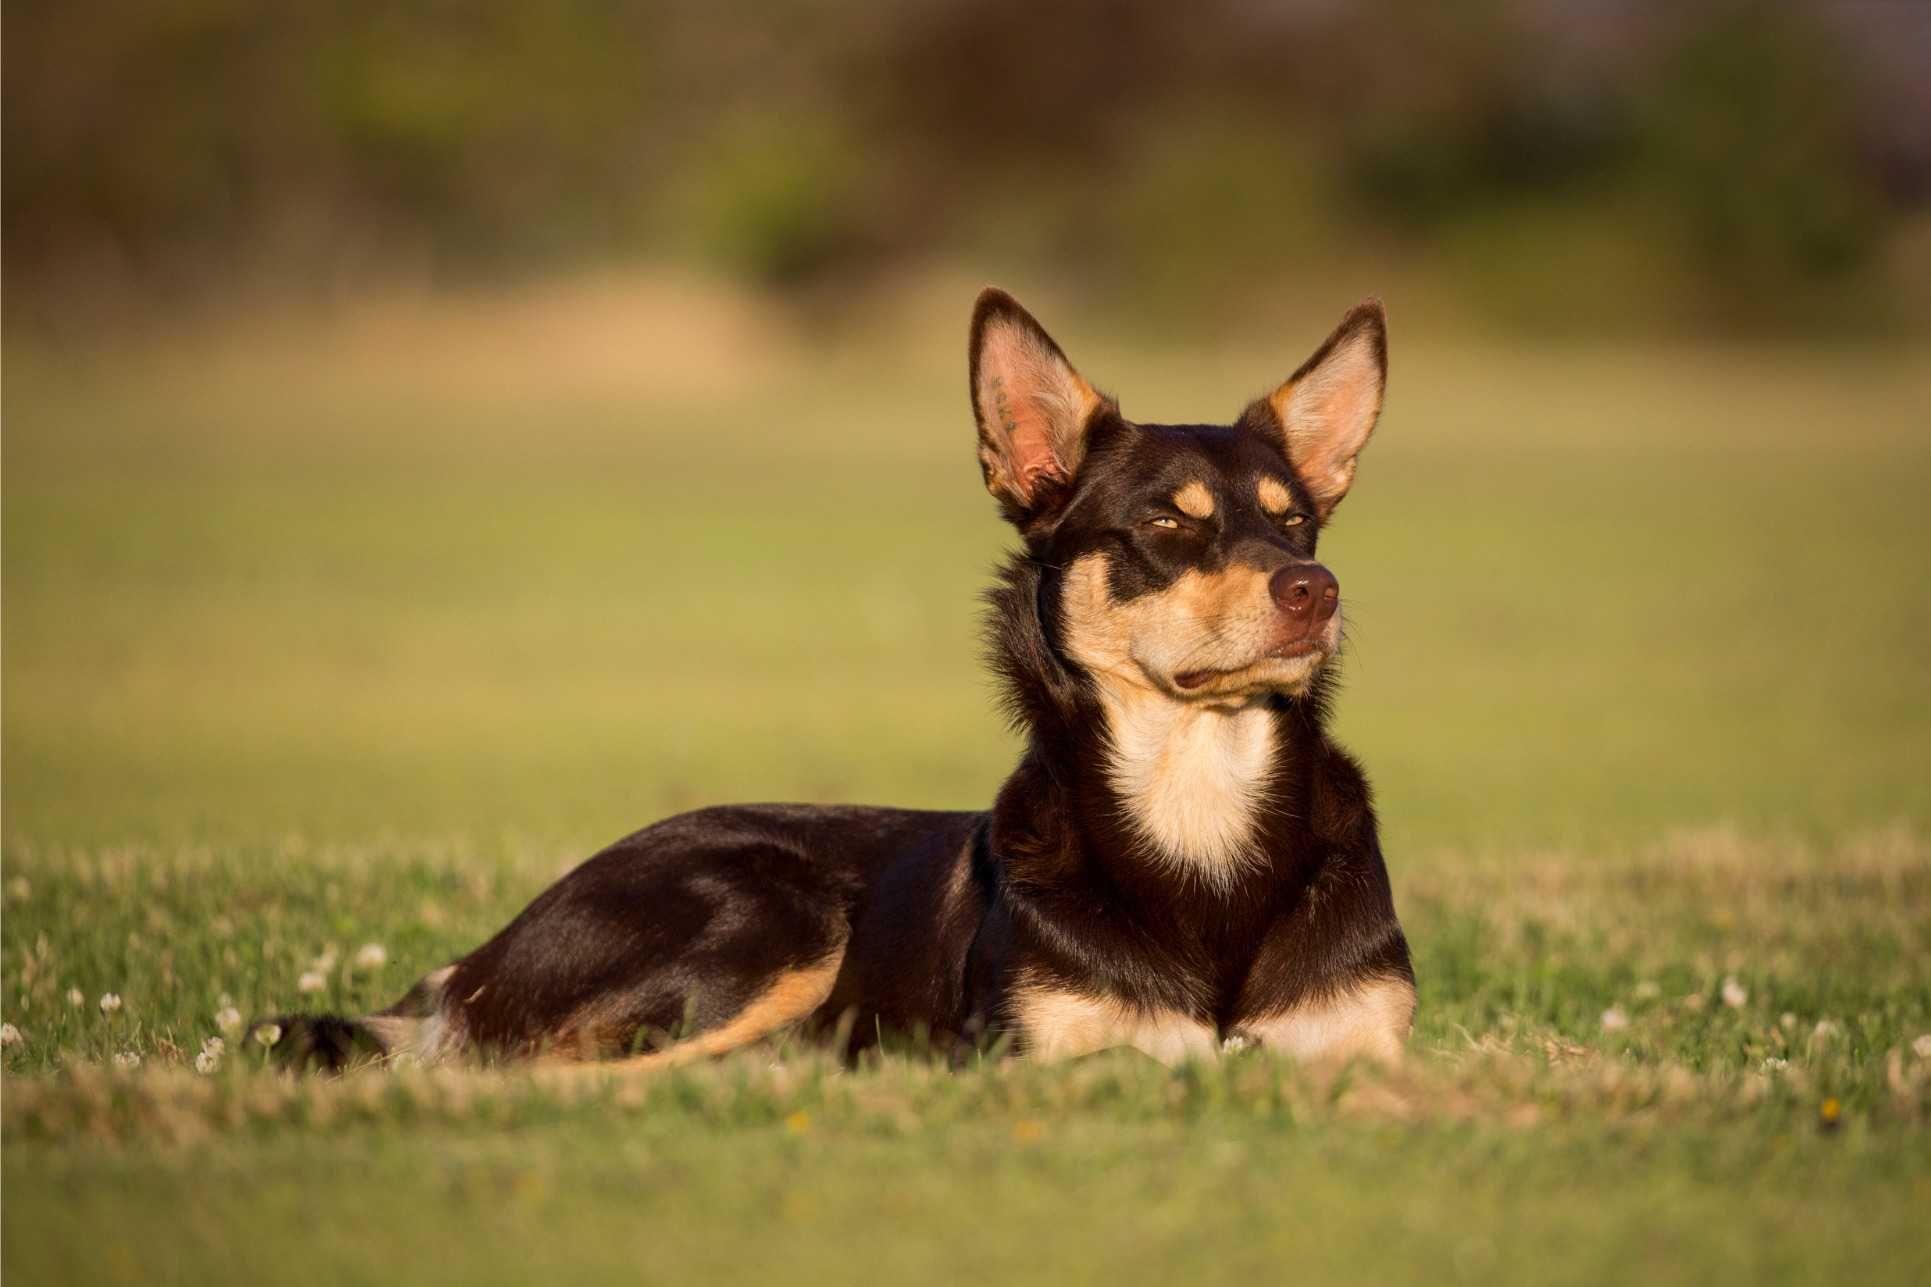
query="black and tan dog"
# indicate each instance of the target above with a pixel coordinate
(1182, 858)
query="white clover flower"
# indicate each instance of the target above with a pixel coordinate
(1787, 1021)
(1774, 1064)
(1734, 993)
(312, 981)
(76, 998)
(1648, 990)
(127, 1061)
(110, 1002)
(9, 1035)
(1824, 1028)
(228, 1019)
(205, 1062)
(214, 1046)
(1614, 1020)
(325, 962)
(1921, 1046)
(371, 956)
(269, 1033)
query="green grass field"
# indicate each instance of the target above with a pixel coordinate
(321, 634)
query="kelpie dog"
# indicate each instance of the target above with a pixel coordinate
(1182, 858)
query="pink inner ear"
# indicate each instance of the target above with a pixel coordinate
(1032, 447)
(1328, 417)
(1017, 401)
(1330, 430)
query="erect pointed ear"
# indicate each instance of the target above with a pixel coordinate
(1326, 411)
(1032, 406)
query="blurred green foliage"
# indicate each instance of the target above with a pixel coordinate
(1750, 133)
(1745, 165)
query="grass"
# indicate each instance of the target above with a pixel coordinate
(324, 634)
(1774, 1133)
(1217, 1195)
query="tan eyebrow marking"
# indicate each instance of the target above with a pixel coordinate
(1275, 498)
(1195, 500)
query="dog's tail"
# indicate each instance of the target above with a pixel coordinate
(415, 1026)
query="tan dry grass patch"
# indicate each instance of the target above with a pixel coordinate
(1770, 896)
(1489, 1083)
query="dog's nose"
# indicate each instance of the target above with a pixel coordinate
(1306, 592)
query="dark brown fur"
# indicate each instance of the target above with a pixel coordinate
(959, 927)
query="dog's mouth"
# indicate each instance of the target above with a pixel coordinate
(1193, 680)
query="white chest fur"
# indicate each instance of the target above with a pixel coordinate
(1193, 778)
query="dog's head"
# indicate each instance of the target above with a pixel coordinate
(1185, 552)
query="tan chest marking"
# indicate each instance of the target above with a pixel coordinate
(1056, 1024)
(1371, 1020)
(1192, 777)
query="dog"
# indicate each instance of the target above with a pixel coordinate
(1182, 862)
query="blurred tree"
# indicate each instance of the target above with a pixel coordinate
(775, 201)
(162, 140)
(1753, 142)
(1179, 155)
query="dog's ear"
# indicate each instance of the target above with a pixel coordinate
(1325, 412)
(1032, 406)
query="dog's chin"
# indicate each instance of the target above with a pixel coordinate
(1288, 672)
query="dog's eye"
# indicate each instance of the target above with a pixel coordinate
(1293, 519)
(1164, 521)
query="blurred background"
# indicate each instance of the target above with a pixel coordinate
(1590, 165)
(482, 420)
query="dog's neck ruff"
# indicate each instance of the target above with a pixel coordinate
(1192, 778)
